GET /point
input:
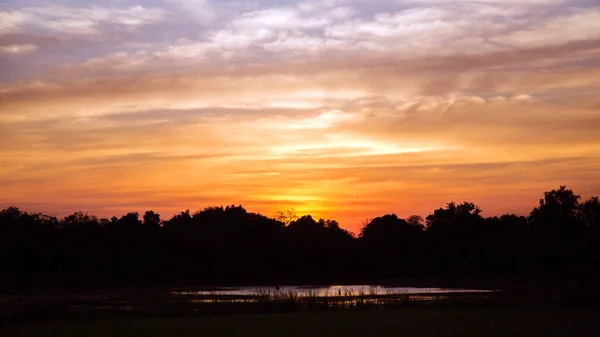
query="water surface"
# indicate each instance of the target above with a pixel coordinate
(334, 290)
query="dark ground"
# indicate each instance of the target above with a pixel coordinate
(501, 322)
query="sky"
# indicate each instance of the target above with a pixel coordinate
(342, 109)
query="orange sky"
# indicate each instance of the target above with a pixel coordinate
(339, 109)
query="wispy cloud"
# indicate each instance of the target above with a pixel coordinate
(18, 48)
(78, 20)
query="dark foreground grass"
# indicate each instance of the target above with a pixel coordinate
(501, 322)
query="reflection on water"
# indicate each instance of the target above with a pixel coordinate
(336, 300)
(238, 300)
(323, 291)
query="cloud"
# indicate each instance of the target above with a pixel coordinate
(201, 10)
(522, 98)
(578, 26)
(494, 2)
(295, 37)
(78, 20)
(323, 106)
(18, 48)
(10, 20)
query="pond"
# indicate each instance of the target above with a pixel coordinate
(229, 300)
(321, 291)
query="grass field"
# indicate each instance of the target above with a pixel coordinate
(404, 322)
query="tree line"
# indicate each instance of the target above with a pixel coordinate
(229, 245)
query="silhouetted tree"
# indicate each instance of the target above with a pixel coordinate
(392, 242)
(152, 219)
(559, 208)
(416, 221)
(287, 217)
(80, 220)
(590, 213)
(231, 245)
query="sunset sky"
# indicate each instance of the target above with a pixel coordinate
(341, 109)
